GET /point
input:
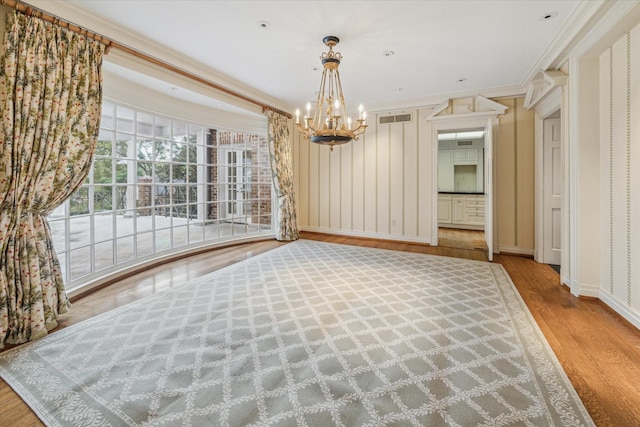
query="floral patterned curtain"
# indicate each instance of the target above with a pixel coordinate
(281, 157)
(50, 98)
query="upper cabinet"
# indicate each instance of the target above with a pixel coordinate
(461, 170)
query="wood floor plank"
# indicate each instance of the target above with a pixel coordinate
(598, 349)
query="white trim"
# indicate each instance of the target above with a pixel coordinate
(494, 109)
(617, 18)
(542, 86)
(565, 40)
(486, 120)
(587, 290)
(545, 108)
(570, 198)
(621, 308)
(515, 250)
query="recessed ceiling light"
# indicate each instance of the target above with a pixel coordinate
(548, 16)
(315, 68)
(389, 53)
(462, 79)
(263, 24)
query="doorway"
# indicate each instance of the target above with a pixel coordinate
(461, 189)
(237, 180)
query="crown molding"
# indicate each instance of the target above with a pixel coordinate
(555, 53)
(437, 100)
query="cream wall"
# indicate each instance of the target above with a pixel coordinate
(382, 185)
(514, 178)
(619, 162)
(379, 186)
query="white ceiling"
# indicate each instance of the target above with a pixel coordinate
(440, 47)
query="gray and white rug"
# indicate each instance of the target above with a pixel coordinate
(309, 334)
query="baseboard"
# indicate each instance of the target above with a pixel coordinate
(622, 309)
(514, 250)
(367, 235)
(587, 290)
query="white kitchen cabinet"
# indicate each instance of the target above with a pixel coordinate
(444, 208)
(458, 209)
(445, 170)
(461, 170)
(465, 156)
(461, 211)
(474, 210)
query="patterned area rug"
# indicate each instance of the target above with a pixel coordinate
(309, 334)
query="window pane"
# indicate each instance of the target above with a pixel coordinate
(145, 124)
(163, 240)
(80, 262)
(144, 244)
(163, 127)
(79, 201)
(104, 255)
(179, 236)
(124, 121)
(125, 249)
(104, 145)
(103, 227)
(102, 198)
(124, 146)
(124, 226)
(106, 121)
(145, 149)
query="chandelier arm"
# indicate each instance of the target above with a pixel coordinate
(317, 115)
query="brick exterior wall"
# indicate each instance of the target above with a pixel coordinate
(258, 196)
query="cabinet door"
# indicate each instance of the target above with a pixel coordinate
(445, 170)
(444, 209)
(471, 154)
(458, 210)
(465, 156)
(474, 210)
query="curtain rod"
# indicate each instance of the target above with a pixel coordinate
(109, 43)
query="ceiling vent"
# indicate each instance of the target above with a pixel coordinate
(464, 143)
(398, 118)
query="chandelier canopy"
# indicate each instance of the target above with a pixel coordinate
(329, 125)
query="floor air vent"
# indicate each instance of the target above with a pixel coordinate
(398, 118)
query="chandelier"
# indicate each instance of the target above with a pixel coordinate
(328, 125)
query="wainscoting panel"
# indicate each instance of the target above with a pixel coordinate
(619, 165)
(378, 186)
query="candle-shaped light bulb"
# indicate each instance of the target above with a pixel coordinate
(360, 110)
(337, 106)
(297, 116)
(364, 116)
(308, 108)
(349, 122)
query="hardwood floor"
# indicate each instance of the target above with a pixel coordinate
(598, 349)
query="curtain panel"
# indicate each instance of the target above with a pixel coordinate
(50, 97)
(281, 156)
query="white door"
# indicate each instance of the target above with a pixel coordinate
(552, 188)
(236, 180)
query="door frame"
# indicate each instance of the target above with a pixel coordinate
(544, 110)
(488, 124)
